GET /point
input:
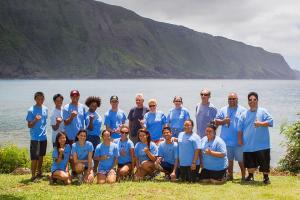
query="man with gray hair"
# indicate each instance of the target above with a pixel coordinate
(136, 114)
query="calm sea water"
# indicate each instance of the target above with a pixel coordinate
(279, 97)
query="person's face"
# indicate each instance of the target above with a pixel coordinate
(82, 137)
(167, 134)
(139, 101)
(205, 95)
(188, 126)
(93, 107)
(62, 140)
(39, 100)
(177, 102)
(152, 106)
(114, 103)
(124, 133)
(252, 102)
(58, 102)
(143, 137)
(106, 136)
(210, 133)
(232, 100)
(75, 98)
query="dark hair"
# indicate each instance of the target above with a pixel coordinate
(147, 134)
(59, 134)
(92, 99)
(38, 94)
(253, 94)
(189, 120)
(105, 130)
(58, 95)
(177, 97)
(213, 125)
(80, 131)
(166, 128)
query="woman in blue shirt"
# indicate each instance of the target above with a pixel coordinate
(61, 155)
(214, 156)
(145, 152)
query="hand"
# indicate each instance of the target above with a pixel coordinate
(158, 161)
(58, 120)
(142, 122)
(61, 150)
(38, 117)
(173, 176)
(74, 113)
(193, 167)
(146, 149)
(91, 117)
(257, 124)
(227, 121)
(207, 151)
(123, 152)
(240, 141)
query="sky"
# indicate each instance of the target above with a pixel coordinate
(273, 25)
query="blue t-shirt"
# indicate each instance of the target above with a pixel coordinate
(111, 151)
(176, 119)
(38, 131)
(83, 151)
(62, 165)
(114, 120)
(255, 139)
(204, 115)
(187, 144)
(77, 123)
(96, 123)
(154, 123)
(169, 152)
(211, 162)
(140, 153)
(230, 133)
(126, 146)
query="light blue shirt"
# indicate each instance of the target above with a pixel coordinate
(230, 133)
(211, 162)
(176, 119)
(83, 151)
(154, 123)
(255, 139)
(38, 131)
(187, 144)
(96, 123)
(114, 120)
(169, 152)
(111, 151)
(77, 123)
(62, 165)
(140, 153)
(124, 146)
(204, 115)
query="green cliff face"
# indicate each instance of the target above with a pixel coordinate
(89, 39)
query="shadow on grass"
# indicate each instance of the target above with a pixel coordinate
(37, 180)
(253, 183)
(8, 196)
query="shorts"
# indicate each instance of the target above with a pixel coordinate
(94, 139)
(106, 172)
(122, 165)
(259, 158)
(37, 149)
(186, 174)
(167, 166)
(212, 174)
(235, 153)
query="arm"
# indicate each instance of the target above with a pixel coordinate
(150, 155)
(90, 160)
(240, 138)
(70, 119)
(215, 153)
(91, 124)
(196, 155)
(132, 159)
(31, 124)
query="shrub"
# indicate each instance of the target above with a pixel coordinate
(291, 161)
(12, 157)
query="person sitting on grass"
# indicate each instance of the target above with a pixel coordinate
(107, 154)
(126, 151)
(167, 160)
(214, 156)
(145, 153)
(82, 152)
(61, 154)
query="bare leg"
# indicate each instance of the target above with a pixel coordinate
(241, 164)
(89, 176)
(39, 166)
(111, 176)
(34, 164)
(230, 169)
(101, 178)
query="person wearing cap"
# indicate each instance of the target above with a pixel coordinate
(56, 119)
(36, 121)
(228, 118)
(205, 112)
(177, 116)
(114, 118)
(74, 115)
(135, 115)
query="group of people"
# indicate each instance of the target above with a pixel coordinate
(152, 142)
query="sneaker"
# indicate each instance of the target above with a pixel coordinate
(229, 178)
(80, 179)
(249, 179)
(266, 181)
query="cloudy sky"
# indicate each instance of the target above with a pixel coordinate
(271, 24)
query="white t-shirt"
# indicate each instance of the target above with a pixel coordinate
(56, 113)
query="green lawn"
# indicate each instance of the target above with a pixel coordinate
(19, 187)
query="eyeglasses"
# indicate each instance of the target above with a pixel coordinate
(204, 94)
(232, 99)
(252, 99)
(151, 106)
(178, 101)
(122, 132)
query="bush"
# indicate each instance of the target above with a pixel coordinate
(291, 161)
(12, 157)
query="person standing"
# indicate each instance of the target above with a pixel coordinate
(205, 112)
(36, 121)
(135, 115)
(228, 118)
(57, 117)
(255, 137)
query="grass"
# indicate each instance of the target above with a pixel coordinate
(19, 187)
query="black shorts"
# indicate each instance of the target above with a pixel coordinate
(122, 165)
(37, 149)
(212, 174)
(259, 159)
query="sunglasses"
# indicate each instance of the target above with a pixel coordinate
(122, 132)
(178, 101)
(232, 99)
(151, 106)
(204, 94)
